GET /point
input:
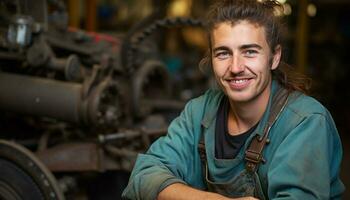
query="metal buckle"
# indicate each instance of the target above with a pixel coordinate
(252, 156)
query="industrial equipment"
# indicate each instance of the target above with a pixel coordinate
(74, 103)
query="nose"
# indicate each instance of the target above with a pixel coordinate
(236, 65)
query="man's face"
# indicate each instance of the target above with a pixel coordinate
(242, 60)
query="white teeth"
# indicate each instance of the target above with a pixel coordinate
(240, 81)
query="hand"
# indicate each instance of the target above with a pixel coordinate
(220, 197)
(178, 191)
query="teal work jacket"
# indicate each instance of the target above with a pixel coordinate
(302, 160)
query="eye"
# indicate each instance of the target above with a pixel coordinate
(250, 53)
(222, 55)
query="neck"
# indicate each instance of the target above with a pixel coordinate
(244, 115)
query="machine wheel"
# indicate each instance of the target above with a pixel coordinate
(23, 176)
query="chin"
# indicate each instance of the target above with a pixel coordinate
(239, 96)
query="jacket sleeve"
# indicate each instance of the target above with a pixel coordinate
(306, 164)
(167, 161)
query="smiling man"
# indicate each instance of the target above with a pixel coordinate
(257, 137)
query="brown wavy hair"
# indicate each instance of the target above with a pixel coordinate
(263, 13)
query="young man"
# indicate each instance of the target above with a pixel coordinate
(214, 149)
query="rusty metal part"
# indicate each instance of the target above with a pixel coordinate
(69, 66)
(105, 105)
(151, 82)
(61, 100)
(67, 183)
(102, 101)
(31, 166)
(11, 56)
(165, 104)
(99, 73)
(41, 97)
(40, 54)
(43, 141)
(138, 37)
(57, 42)
(119, 158)
(107, 138)
(80, 157)
(72, 157)
(129, 134)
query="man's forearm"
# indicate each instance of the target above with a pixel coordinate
(178, 191)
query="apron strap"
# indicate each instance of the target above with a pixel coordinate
(201, 150)
(202, 155)
(253, 154)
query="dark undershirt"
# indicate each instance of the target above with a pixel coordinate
(227, 146)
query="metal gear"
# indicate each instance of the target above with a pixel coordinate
(140, 36)
(23, 176)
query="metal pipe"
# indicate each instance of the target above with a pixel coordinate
(40, 97)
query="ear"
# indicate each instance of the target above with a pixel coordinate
(276, 57)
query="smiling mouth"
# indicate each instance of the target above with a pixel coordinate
(239, 84)
(239, 81)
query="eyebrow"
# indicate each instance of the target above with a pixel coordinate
(248, 46)
(221, 48)
(242, 47)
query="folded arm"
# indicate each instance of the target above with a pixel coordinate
(183, 192)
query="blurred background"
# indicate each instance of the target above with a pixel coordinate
(317, 36)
